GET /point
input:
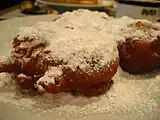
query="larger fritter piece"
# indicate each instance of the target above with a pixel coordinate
(62, 56)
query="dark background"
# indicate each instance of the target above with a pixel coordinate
(8, 3)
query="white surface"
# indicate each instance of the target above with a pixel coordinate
(12, 14)
(131, 98)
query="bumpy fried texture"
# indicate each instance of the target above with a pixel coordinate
(29, 55)
(94, 83)
(140, 53)
(137, 56)
(9, 66)
(27, 82)
(89, 85)
(29, 61)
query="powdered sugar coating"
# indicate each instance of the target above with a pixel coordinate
(21, 75)
(75, 46)
(84, 19)
(81, 19)
(49, 77)
(5, 60)
(136, 29)
(79, 48)
(86, 40)
(132, 97)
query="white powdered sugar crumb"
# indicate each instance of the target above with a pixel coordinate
(5, 79)
(144, 30)
(78, 48)
(37, 31)
(78, 19)
(49, 77)
(131, 28)
(5, 60)
(131, 97)
(22, 75)
(84, 19)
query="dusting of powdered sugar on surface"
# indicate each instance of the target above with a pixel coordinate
(126, 27)
(74, 46)
(131, 97)
(4, 60)
(49, 77)
(5, 79)
(84, 19)
(78, 19)
(77, 44)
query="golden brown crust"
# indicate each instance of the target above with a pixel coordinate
(9, 67)
(98, 89)
(26, 82)
(140, 52)
(88, 84)
(137, 56)
(30, 57)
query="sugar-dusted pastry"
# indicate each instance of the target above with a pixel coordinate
(139, 53)
(65, 57)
